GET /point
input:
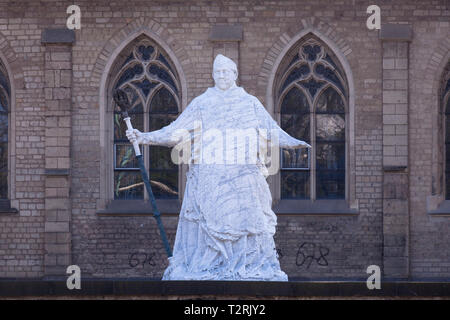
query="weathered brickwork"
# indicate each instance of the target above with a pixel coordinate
(58, 221)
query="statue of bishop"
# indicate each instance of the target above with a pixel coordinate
(226, 223)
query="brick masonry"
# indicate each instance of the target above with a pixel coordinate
(395, 109)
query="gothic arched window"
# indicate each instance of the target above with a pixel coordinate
(4, 109)
(312, 100)
(445, 98)
(150, 80)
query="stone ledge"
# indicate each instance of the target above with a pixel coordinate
(387, 168)
(226, 33)
(396, 32)
(140, 207)
(58, 36)
(442, 210)
(6, 209)
(57, 172)
(317, 207)
(152, 287)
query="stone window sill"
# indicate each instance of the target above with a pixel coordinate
(140, 207)
(442, 210)
(5, 207)
(316, 208)
(283, 207)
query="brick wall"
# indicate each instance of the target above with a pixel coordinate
(342, 246)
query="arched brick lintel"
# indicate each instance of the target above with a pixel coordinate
(15, 75)
(12, 64)
(123, 37)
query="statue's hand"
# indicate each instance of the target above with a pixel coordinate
(121, 98)
(135, 135)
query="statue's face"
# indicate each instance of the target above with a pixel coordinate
(224, 77)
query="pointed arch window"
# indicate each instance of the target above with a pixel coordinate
(311, 97)
(445, 98)
(149, 78)
(4, 127)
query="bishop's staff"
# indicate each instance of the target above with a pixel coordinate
(121, 99)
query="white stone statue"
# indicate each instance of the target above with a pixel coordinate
(226, 224)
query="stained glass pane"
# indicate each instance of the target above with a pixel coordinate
(162, 74)
(447, 128)
(330, 127)
(166, 63)
(163, 102)
(164, 183)
(330, 156)
(3, 185)
(3, 127)
(125, 157)
(447, 155)
(145, 86)
(157, 121)
(312, 86)
(3, 102)
(295, 158)
(329, 74)
(4, 80)
(447, 185)
(296, 125)
(160, 158)
(129, 74)
(120, 127)
(294, 102)
(296, 74)
(311, 51)
(330, 102)
(330, 184)
(145, 52)
(128, 185)
(4, 98)
(3, 156)
(295, 184)
(134, 99)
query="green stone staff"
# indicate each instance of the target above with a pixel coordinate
(121, 99)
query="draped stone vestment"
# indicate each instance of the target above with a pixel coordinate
(226, 224)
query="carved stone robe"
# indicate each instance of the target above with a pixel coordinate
(226, 224)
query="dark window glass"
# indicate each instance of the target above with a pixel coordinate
(330, 127)
(295, 120)
(146, 76)
(128, 185)
(163, 172)
(295, 158)
(4, 107)
(295, 184)
(316, 92)
(163, 102)
(330, 102)
(447, 142)
(330, 146)
(330, 184)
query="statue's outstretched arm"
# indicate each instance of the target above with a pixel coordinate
(176, 131)
(275, 132)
